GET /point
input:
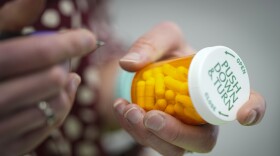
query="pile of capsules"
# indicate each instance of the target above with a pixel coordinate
(165, 88)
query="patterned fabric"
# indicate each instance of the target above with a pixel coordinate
(80, 135)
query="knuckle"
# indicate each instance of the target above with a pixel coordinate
(145, 42)
(173, 137)
(57, 76)
(169, 25)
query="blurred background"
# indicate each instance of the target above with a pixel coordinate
(250, 27)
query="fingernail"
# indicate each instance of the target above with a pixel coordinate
(251, 118)
(119, 107)
(132, 57)
(133, 115)
(75, 82)
(155, 122)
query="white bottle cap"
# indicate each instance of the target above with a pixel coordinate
(218, 84)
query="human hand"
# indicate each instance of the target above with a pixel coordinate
(16, 14)
(31, 71)
(157, 129)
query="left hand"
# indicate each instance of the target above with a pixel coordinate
(157, 129)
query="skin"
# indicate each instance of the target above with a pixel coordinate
(163, 41)
(20, 13)
(38, 75)
(34, 73)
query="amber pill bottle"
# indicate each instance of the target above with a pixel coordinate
(207, 87)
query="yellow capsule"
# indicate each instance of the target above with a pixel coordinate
(150, 87)
(159, 75)
(156, 71)
(171, 102)
(149, 103)
(169, 70)
(176, 85)
(140, 93)
(191, 114)
(141, 102)
(156, 107)
(159, 87)
(184, 100)
(161, 104)
(169, 95)
(140, 90)
(169, 109)
(149, 106)
(183, 71)
(184, 89)
(179, 109)
(147, 74)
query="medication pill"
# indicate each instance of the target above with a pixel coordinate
(183, 70)
(184, 100)
(161, 104)
(174, 85)
(159, 87)
(150, 87)
(179, 109)
(169, 109)
(169, 70)
(147, 74)
(156, 71)
(140, 93)
(149, 103)
(169, 95)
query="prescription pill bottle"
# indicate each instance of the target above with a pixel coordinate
(207, 87)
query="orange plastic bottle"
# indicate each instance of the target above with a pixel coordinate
(208, 87)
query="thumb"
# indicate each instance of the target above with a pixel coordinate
(161, 41)
(253, 110)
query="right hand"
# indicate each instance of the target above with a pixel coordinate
(30, 72)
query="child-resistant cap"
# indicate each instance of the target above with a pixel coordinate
(218, 84)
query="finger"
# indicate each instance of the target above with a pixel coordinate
(27, 54)
(162, 40)
(253, 111)
(63, 103)
(71, 89)
(200, 139)
(27, 142)
(21, 122)
(14, 15)
(131, 118)
(32, 118)
(22, 92)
